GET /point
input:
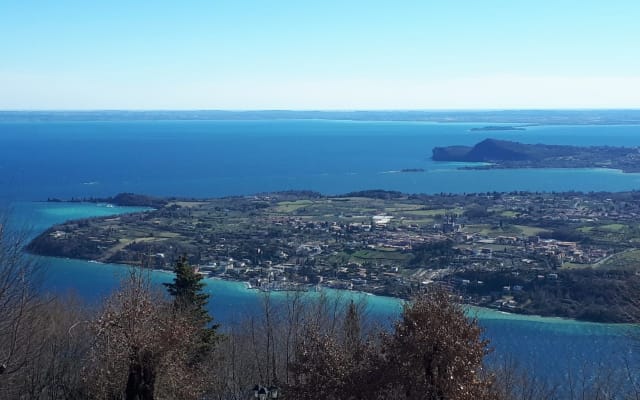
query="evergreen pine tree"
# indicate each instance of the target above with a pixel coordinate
(189, 298)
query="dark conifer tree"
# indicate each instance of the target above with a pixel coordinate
(189, 297)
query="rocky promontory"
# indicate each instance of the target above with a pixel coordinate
(509, 154)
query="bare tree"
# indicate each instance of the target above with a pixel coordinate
(19, 303)
(41, 337)
(517, 383)
(334, 363)
(20, 321)
(143, 348)
(436, 352)
(263, 347)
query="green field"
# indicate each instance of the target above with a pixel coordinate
(291, 206)
(613, 227)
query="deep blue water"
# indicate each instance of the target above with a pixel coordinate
(216, 158)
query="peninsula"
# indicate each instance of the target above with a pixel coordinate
(555, 254)
(508, 154)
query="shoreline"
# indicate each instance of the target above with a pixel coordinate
(469, 306)
(492, 166)
(489, 313)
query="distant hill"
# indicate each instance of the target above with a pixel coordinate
(509, 154)
(490, 150)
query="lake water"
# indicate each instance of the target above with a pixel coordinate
(217, 158)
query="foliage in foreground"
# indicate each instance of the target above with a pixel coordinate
(143, 349)
(435, 352)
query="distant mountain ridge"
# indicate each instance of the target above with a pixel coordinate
(536, 117)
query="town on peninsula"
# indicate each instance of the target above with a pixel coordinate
(571, 254)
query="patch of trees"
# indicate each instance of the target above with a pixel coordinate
(590, 295)
(566, 234)
(296, 194)
(600, 296)
(433, 255)
(45, 243)
(122, 199)
(477, 211)
(376, 194)
(138, 200)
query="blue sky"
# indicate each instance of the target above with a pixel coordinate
(319, 54)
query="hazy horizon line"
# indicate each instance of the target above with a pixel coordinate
(434, 110)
